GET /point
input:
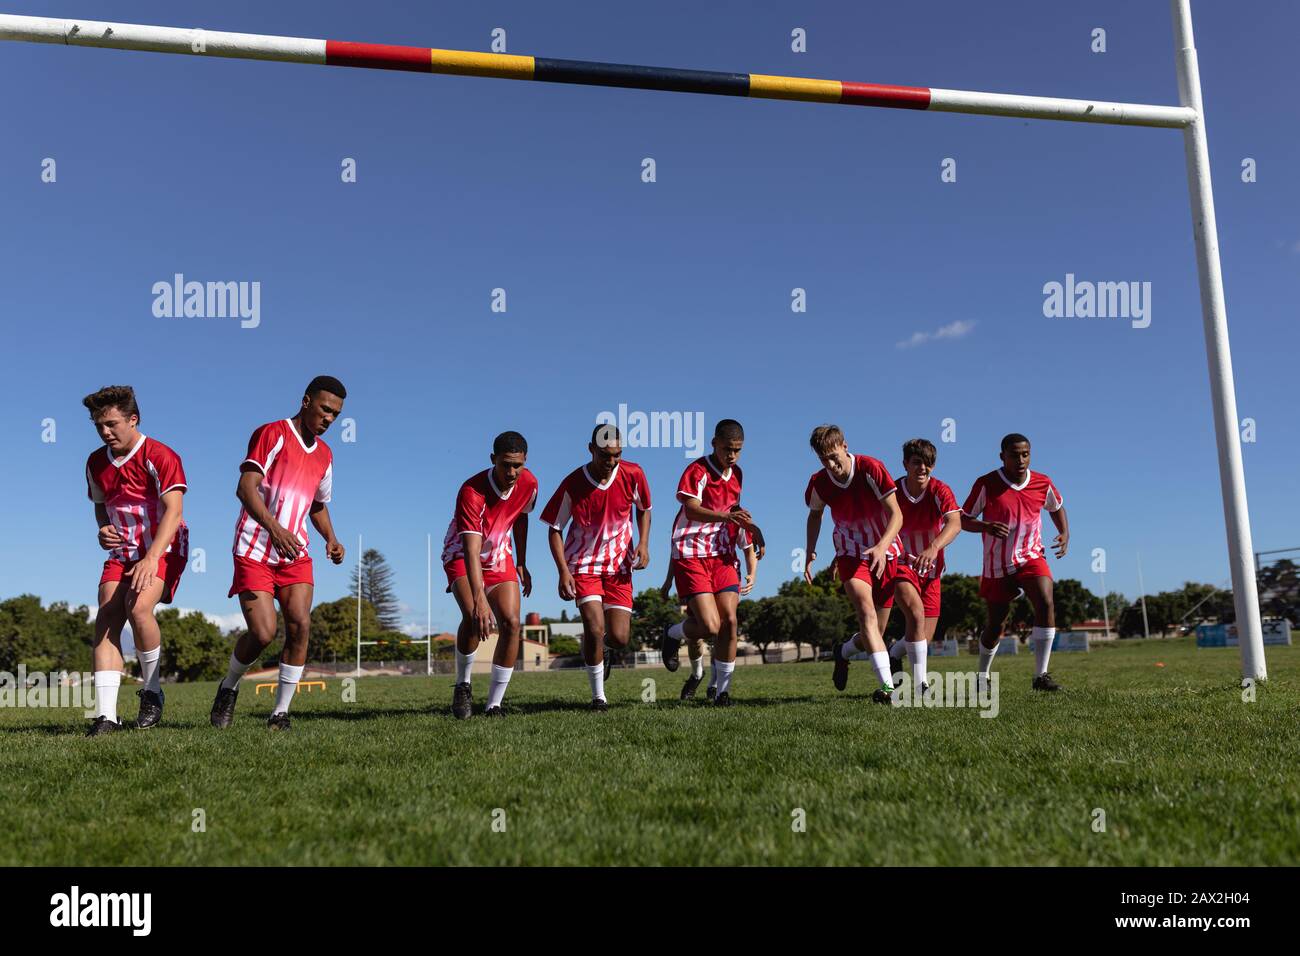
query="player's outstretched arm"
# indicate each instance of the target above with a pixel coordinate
(695, 511)
(520, 530)
(876, 554)
(1061, 543)
(145, 571)
(952, 524)
(320, 520)
(751, 568)
(248, 491)
(109, 536)
(641, 558)
(473, 545)
(995, 528)
(666, 588)
(568, 589)
(814, 529)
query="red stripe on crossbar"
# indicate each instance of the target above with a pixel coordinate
(874, 94)
(378, 55)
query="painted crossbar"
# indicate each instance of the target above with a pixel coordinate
(251, 46)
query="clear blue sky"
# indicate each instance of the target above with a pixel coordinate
(666, 296)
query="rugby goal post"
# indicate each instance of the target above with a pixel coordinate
(1188, 116)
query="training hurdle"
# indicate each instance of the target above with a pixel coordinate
(1188, 116)
(309, 684)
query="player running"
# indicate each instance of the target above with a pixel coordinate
(695, 648)
(863, 501)
(705, 536)
(596, 559)
(136, 483)
(286, 478)
(931, 520)
(481, 570)
(1011, 500)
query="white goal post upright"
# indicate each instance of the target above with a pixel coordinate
(1214, 314)
(1188, 116)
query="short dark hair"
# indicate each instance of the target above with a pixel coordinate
(326, 383)
(606, 435)
(509, 443)
(824, 438)
(1015, 438)
(729, 430)
(121, 397)
(920, 448)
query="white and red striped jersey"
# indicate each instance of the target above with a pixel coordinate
(294, 476)
(923, 518)
(1019, 507)
(718, 492)
(482, 509)
(599, 517)
(131, 488)
(856, 506)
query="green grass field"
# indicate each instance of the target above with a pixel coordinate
(1185, 771)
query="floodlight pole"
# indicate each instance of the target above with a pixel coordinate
(1214, 315)
(360, 562)
(428, 605)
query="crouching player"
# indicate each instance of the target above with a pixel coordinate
(1010, 501)
(931, 520)
(863, 502)
(596, 559)
(705, 535)
(286, 477)
(753, 547)
(136, 483)
(491, 507)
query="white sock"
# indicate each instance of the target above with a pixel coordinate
(1042, 638)
(596, 675)
(880, 661)
(497, 687)
(464, 666)
(898, 649)
(723, 671)
(697, 667)
(235, 672)
(917, 652)
(986, 658)
(678, 631)
(849, 647)
(290, 674)
(106, 685)
(149, 667)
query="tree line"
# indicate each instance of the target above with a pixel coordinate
(58, 637)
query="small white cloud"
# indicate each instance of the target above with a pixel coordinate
(1295, 247)
(953, 330)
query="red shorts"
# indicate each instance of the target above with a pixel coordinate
(711, 575)
(612, 588)
(170, 568)
(456, 569)
(260, 576)
(1004, 590)
(929, 597)
(883, 589)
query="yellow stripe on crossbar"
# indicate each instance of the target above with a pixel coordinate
(794, 88)
(468, 63)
